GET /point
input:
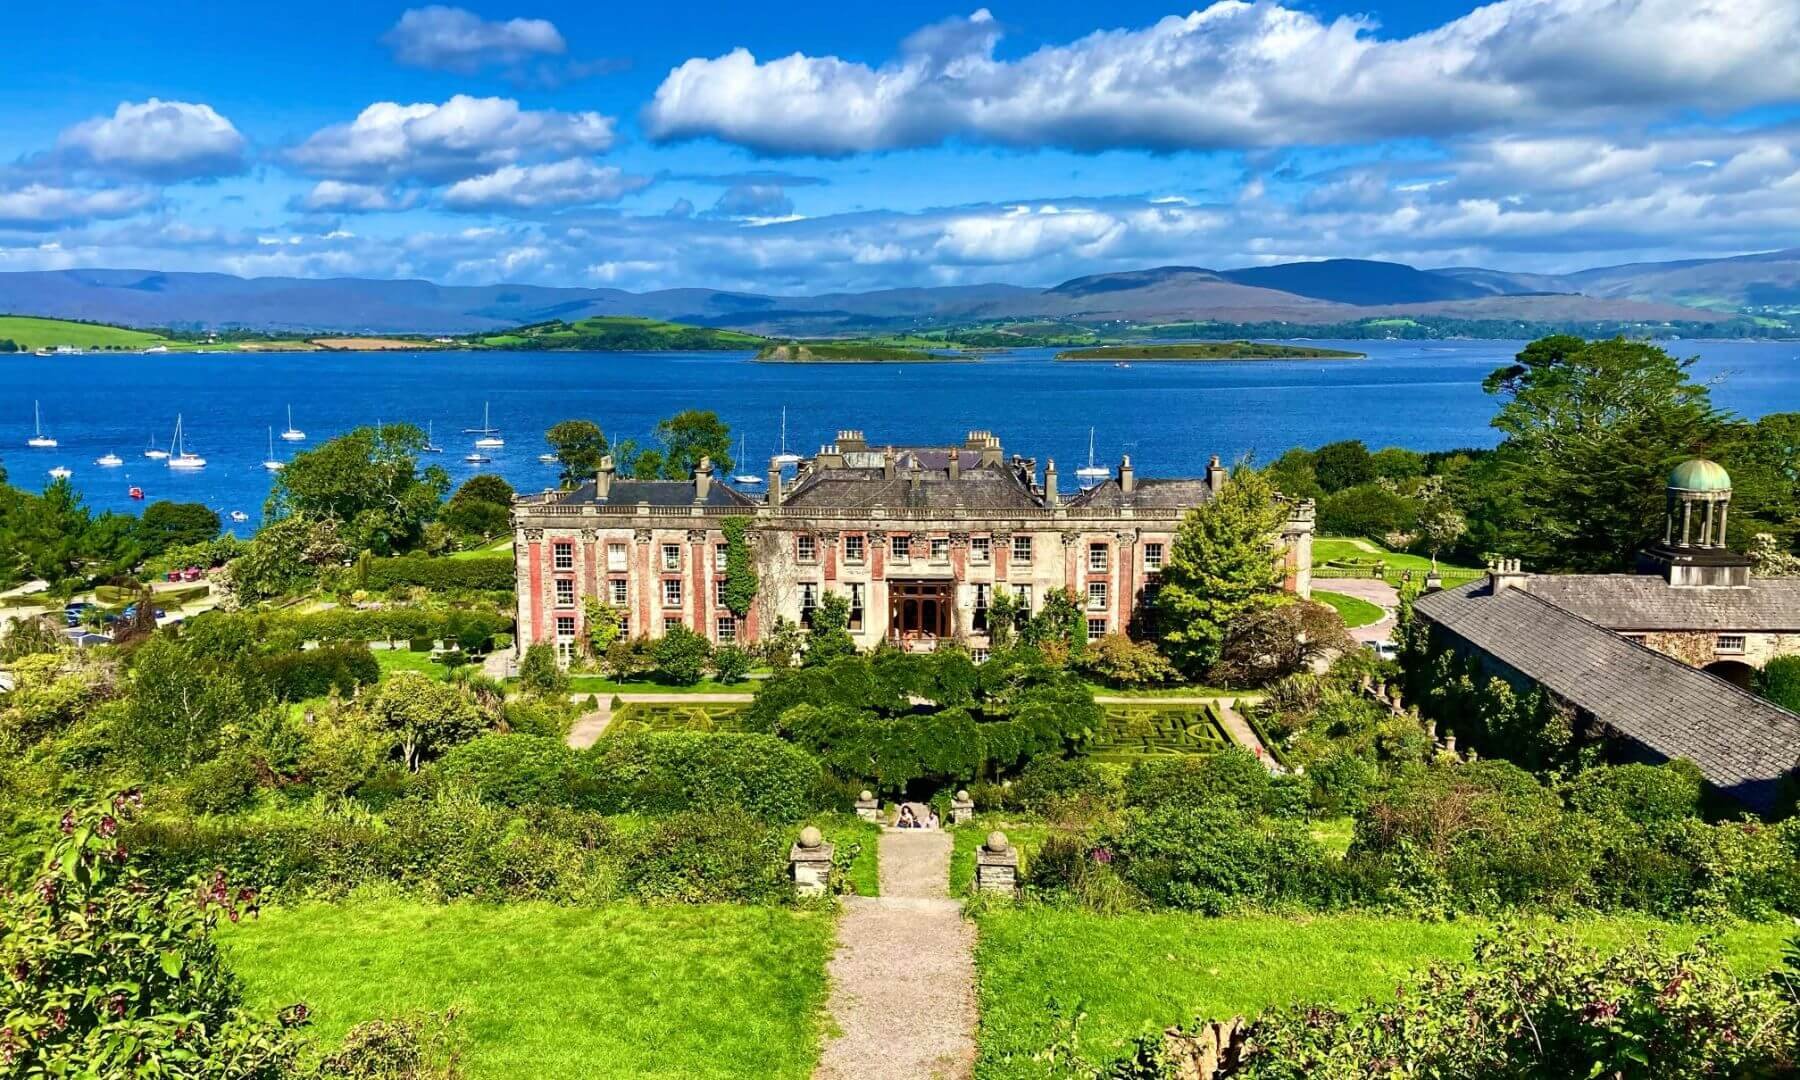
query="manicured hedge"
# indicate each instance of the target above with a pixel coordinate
(296, 676)
(497, 573)
(392, 624)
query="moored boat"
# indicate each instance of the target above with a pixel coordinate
(292, 434)
(38, 439)
(109, 461)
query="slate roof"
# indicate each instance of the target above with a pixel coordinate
(989, 487)
(656, 493)
(1743, 745)
(1648, 602)
(1171, 494)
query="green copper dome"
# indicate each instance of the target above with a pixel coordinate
(1700, 474)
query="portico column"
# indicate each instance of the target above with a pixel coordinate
(647, 582)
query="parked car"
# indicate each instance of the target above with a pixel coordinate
(192, 573)
(173, 575)
(1386, 650)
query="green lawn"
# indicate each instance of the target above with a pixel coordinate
(602, 686)
(619, 991)
(865, 869)
(1190, 691)
(30, 332)
(1362, 553)
(1355, 610)
(392, 660)
(502, 546)
(1026, 836)
(1136, 973)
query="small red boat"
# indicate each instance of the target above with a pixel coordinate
(136, 493)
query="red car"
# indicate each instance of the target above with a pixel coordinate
(192, 573)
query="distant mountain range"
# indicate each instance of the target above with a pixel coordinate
(1334, 291)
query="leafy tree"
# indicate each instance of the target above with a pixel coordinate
(369, 483)
(168, 524)
(830, 637)
(540, 674)
(426, 716)
(1121, 661)
(1222, 564)
(1764, 461)
(1592, 430)
(648, 465)
(53, 536)
(182, 705)
(681, 656)
(8, 345)
(602, 622)
(731, 663)
(484, 487)
(782, 645)
(286, 557)
(109, 975)
(1340, 465)
(1059, 626)
(482, 507)
(579, 445)
(1779, 681)
(1294, 476)
(1267, 643)
(1373, 510)
(1397, 463)
(1441, 524)
(689, 436)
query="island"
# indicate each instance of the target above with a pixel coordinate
(852, 352)
(1208, 350)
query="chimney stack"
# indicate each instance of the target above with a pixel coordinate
(703, 480)
(603, 479)
(1215, 475)
(774, 481)
(1505, 574)
(1127, 476)
(1050, 495)
(913, 479)
(955, 465)
(887, 464)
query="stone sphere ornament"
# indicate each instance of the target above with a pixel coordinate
(810, 837)
(867, 795)
(962, 795)
(996, 841)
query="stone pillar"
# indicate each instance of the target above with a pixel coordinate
(809, 864)
(997, 866)
(649, 584)
(868, 807)
(701, 554)
(534, 539)
(962, 808)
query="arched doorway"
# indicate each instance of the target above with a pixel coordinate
(1735, 672)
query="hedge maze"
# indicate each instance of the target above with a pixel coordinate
(637, 716)
(1139, 731)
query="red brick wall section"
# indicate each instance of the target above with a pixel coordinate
(701, 555)
(536, 560)
(648, 585)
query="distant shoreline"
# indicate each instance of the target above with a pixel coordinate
(1207, 352)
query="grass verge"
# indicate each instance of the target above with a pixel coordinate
(865, 869)
(543, 991)
(392, 660)
(1137, 973)
(1026, 836)
(1354, 610)
(1361, 553)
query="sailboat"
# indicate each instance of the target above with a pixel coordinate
(431, 446)
(746, 479)
(270, 463)
(1092, 474)
(292, 434)
(179, 457)
(38, 438)
(785, 458)
(490, 436)
(476, 457)
(155, 452)
(109, 461)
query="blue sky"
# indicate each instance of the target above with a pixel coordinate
(846, 146)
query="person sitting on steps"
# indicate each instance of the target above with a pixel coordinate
(907, 821)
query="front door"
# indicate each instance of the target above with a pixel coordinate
(921, 608)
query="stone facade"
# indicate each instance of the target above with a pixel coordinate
(919, 539)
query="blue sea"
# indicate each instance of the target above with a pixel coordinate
(1169, 417)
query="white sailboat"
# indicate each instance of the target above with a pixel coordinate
(292, 434)
(38, 439)
(785, 458)
(1092, 474)
(431, 446)
(155, 452)
(490, 436)
(61, 472)
(271, 463)
(476, 457)
(179, 456)
(109, 461)
(747, 479)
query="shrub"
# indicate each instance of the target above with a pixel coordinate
(302, 674)
(1063, 787)
(681, 656)
(1341, 782)
(514, 770)
(496, 573)
(1779, 681)
(698, 858)
(540, 674)
(225, 784)
(1120, 661)
(1213, 860)
(1646, 794)
(731, 664)
(1233, 777)
(674, 771)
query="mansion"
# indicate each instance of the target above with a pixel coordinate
(918, 539)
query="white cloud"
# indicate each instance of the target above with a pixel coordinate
(338, 196)
(539, 187)
(1239, 74)
(454, 39)
(43, 206)
(463, 137)
(753, 201)
(155, 139)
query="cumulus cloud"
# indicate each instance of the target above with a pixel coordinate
(454, 39)
(44, 206)
(1238, 74)
(159, 140)
(753, 201)
(463, 137)
(338, 196)
(540, 187)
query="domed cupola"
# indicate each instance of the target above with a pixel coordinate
(1692, 551)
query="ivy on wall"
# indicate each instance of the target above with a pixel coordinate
(741, 581)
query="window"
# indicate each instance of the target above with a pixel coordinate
(806, 547)
(1153, 557)
(672, 592)
(719, 592)
(615, 557)
(565, 627)
(1096, 558)
(1731, 643)
(853, 548)
(565, 592)
(981, 548)
(1096, 596)
(671, 556)
(983, 597)
(564, 555)
(1096, 629)
(624, 625)
(1021, 549)
(940, 548)
(809, 602)
(619, 592)
(670, 622)
(727, 629)
(901, 547)
(856, 605)
(980, 656)
(720, 553)
(1022, 593)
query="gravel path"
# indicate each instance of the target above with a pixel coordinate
(903, 977)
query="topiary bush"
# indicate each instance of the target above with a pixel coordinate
(700, 858)
(514, 770)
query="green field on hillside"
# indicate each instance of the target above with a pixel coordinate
(1209, 350)
(1133, 974)
(618, 333)
(617, 991)
(850, 352)
(30, 332)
